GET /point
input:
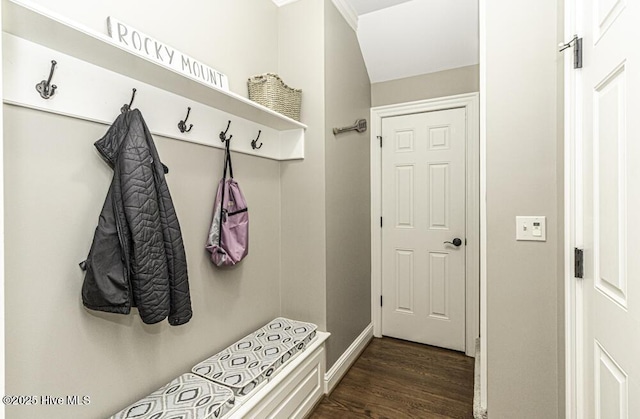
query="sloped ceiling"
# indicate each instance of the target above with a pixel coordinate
(404, 38)
(367, 6)
(417, 37)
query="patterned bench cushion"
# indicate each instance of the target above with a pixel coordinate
(188, 396)
(254, 359)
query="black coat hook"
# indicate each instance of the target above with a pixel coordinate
(223, 134)
(45, 88)
(182, 125)
(253, 143)
(126, 107)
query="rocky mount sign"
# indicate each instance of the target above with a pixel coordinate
(159, 52)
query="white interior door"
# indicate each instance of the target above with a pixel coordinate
(423, 206)
(609, 169)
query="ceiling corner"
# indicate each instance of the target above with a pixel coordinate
(280, 3)
(344, 7)
(348, 12)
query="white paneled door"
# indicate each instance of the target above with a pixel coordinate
(423, 232)
(608, 205)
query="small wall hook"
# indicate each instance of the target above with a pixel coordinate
(182, 125)
(126, 107)
(45, 88)
(223, 134)
(253, 143)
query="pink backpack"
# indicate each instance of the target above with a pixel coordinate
(228, 240)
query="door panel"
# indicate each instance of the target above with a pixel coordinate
(610, 217)
(404, 281)
(611, 386)
(439, 189)
(438, 278)
(609, 85)
(423, 195)
(404, 196)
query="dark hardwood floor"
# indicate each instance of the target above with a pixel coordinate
(397, 379)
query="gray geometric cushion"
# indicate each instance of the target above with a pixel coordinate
(255, 358)
(186, 397)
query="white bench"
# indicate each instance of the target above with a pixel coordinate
(276, 372)
(293, 392)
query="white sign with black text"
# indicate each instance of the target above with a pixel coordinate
(146, 46)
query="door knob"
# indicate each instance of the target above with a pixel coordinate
(456, 242)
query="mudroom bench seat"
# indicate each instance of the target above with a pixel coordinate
(275, 372)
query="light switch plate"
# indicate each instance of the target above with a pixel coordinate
(531, 228)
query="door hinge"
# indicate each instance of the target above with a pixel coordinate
(380, 138)
(578, 264)
(577, 50)
(380, 222)
(381, 301)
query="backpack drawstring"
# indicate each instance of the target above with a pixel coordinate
(227, 164)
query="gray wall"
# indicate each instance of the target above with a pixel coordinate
(427, 86)
(301, 64)
(523, 177)
(325, 198)
(348, 209)
(55, 184)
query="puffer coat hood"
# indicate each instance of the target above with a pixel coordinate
(137, 258)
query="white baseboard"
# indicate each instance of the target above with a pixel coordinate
(342, 365)
(479, 412)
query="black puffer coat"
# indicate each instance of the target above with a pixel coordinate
(137, 256)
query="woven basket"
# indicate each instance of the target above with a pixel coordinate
(269, 90)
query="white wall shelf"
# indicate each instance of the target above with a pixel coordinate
(32, 37)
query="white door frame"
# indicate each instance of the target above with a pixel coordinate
(2, 315)
(470, 102)
(572, 226)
